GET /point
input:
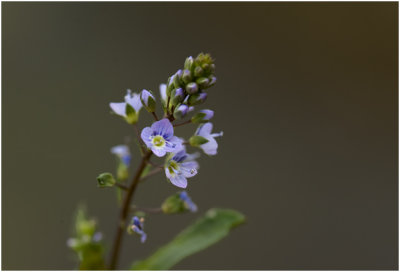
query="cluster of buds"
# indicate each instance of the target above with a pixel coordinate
(186, 88)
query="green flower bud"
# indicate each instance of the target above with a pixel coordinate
(213, 80)
(148, 100)
(197, 98)
(198, 71)
(186, 76)
(197, 141)
(170, 85)
(189, 63)
(177, 79)
(203, 116)
(203, 82)
(173, 204)
(177, 96)
(106, 180)
(192, 88)
(181, 111)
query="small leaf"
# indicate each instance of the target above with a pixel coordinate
(208, 230)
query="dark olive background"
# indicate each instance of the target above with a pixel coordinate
(306, 97)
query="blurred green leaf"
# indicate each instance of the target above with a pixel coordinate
(208, 230)
(87, 242)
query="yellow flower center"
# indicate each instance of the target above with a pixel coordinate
(158, 141)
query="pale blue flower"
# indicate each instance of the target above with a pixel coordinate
(210, 148)
(180, 167)
(122, 152)
(133, 99)
(137, 227)
(160, 138)
(188, 201)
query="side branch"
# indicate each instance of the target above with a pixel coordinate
(125, 210)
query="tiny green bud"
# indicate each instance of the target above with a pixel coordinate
(186, 76)
(192, 88)
(189, 63)
(170, 85)
(198, 71)
(177, 79)
(173, 204)
(106, 180)
(181, 111)
(202, 82)
(213, 80)
(197, 141)
(197, 98)
(148, 100)
(177, 96)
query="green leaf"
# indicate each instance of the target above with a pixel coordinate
(208, 230)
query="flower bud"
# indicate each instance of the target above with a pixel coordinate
(202, 82)
(189, 63)
(197, 98)
(203, 116)
(181, 111)
(186, 76)
(170, 85)
(105, 180)
(213, 80)
(148, 100)
(178, 203)
(197, 141)
(192, 88)
(177, 96)
(177, 78)
(198, 71)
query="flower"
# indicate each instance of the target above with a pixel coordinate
(160, 138)
(137, 226)
(180, 167)
(122, 152)
(210, 148)
(188, 201)
(129, 113)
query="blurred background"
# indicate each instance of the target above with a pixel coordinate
(306, 97)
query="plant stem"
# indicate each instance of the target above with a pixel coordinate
(125, 211)
(155, 115)
(146, 210)
(122, 186)
(151, 173)
(183, 123)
